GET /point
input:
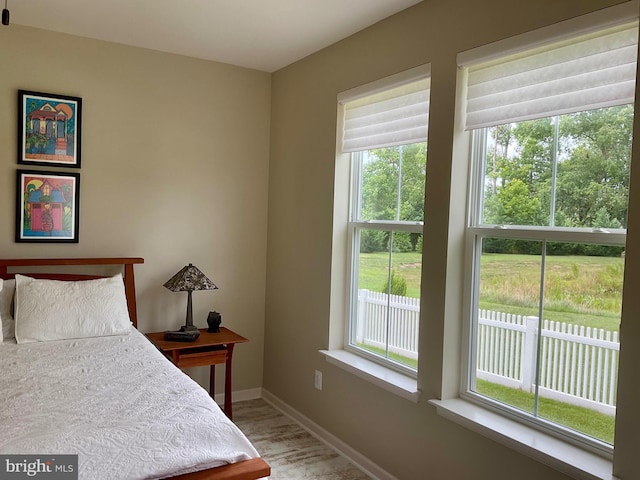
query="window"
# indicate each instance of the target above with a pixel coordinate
(551, 150)
(385, 132)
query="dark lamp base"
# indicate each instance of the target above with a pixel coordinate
(188, 328)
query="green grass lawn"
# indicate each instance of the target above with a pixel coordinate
(374, 268)
(594, 424)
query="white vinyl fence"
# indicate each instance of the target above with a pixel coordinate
(402, 329)
(578, 365)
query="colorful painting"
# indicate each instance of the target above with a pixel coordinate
(47, 207)
(49, 129)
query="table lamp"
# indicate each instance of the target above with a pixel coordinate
(188, 279)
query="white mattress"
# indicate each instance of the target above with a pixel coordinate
(116, 402)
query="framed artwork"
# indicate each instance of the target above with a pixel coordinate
(47, 207)
(49, 129)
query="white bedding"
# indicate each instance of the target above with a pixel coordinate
(116, 402)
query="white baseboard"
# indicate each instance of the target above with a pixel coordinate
(240, 395)
(333, 442)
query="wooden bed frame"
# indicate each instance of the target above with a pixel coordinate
(246, 470)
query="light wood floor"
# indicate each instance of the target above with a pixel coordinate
(292, 452)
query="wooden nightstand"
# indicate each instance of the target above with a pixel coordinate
(208, 349)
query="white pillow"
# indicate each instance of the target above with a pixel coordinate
(6, 308)
(56, 310)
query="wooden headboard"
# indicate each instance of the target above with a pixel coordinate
(34, 263)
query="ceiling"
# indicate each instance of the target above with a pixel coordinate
(260, 34)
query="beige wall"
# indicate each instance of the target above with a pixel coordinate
(174, 169)
(408, 440)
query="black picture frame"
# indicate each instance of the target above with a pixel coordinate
(49, 129)
(47, 206)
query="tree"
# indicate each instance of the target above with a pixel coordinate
(595, 175)
(592, 169)
(381, 198)
(524, 157)
(380, 183)
(516, 204)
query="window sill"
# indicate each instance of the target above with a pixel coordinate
(560, 455)
(386, 378)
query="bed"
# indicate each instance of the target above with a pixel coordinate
(106, 394)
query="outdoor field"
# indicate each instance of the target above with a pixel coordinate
(511, 283)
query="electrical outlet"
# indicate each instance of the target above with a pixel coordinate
(318, 380)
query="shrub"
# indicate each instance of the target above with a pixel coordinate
(398, 285)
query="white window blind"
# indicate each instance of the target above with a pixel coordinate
(583, 73)
(395, 116)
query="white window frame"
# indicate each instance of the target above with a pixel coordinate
(354, 226)
(476, 230)
(399, 381)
